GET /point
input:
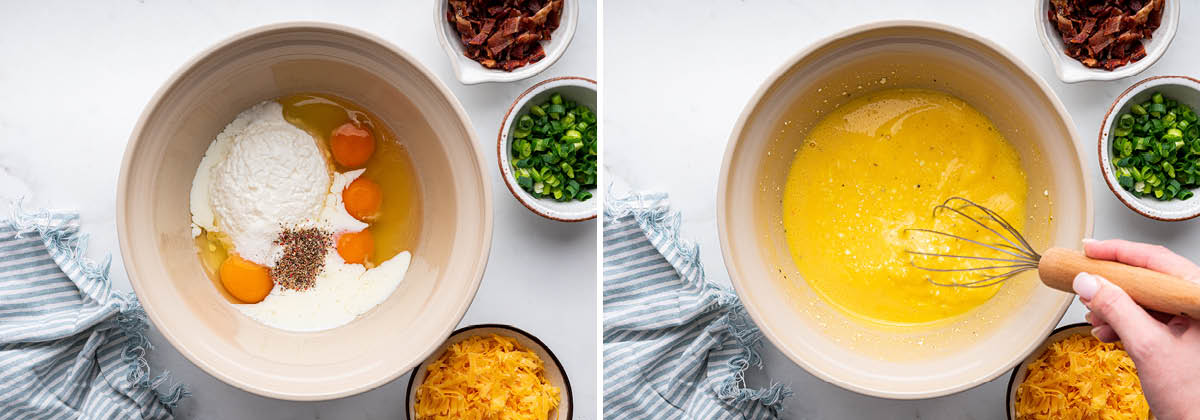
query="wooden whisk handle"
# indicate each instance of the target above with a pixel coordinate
(1151, 289)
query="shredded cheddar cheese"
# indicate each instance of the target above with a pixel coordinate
(1082, 378)
(486, 378)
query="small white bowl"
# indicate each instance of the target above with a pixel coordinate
(1022, 370)
(555, 374)
(470, 72)
(1184, 89)
(578, 89)
(1070, 70)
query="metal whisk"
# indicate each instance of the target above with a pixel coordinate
(1057, 267)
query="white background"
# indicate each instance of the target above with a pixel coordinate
(677, 73)
(74, 77)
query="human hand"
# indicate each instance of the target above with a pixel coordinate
(1165, 348)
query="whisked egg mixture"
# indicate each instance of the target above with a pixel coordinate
(305, 210)
(878, 165)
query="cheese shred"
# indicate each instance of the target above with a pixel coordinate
(486, 378)
(1082, 378)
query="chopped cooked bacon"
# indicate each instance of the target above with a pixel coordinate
(1129, 37)
(504, 34)
(484, 31)
(1089, 25)
(526, 38)
(1105, 33)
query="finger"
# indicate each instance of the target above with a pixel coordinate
(1136, 328)
(1154, 257)
(1160, 317)
(1098, 321)
(1105, 334)
(1095, 320)
(1178, 325)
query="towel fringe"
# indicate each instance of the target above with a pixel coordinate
(652, 212)
(63, 235)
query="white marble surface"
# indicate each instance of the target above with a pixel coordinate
(678, 73)
(76, 75)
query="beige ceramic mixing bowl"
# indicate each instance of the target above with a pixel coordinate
(153, 216)
(898, 362)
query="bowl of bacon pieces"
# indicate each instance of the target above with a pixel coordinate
(1075, 376)
(504, 40)
(1105, 39)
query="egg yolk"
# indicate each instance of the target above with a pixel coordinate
(362, 198)
(351, 145)
(357, 247)
(245, 280)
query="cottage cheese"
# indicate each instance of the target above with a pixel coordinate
(263, 173)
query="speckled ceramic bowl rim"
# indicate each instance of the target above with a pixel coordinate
(169, 85)
(739, 126)
(501, 157)
(1063, 64)
(412, 379)
(1012, 379)
(1102, 140)
(470, 72)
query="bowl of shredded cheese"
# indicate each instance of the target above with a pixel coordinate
(490, 371)
(1075, 376)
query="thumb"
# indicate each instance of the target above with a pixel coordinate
(1136, 328)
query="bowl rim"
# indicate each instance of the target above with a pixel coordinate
(1102, 141)
(531, 203)
(155, 102)
(739, 127)
(1058, 58)
(408, 403)
(1012, 379)
(480, 74)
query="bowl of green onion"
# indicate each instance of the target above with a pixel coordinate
(1149, 148)
(547, 149)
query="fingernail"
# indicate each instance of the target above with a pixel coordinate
(1088, 241)
(1096, 332)
(1085, 286)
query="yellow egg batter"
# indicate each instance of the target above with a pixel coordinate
(877, 165)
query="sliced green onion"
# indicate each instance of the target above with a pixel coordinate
(554, 150)
(1156, 149)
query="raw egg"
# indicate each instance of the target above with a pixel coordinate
(245, 280)
(351, 145)
(357, 247)
(363, 198)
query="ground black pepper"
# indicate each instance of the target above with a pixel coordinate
(303, 256)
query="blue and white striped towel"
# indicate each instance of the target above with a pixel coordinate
(70, 346)
(675, 345)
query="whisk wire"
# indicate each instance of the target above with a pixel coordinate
(953, 270)
(965, 257)
(986, 281)
(1025, 258)
(1017, 254)
(1003, 223)
(981, 224)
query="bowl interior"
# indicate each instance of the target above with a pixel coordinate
(470, 72)
(553, 369)
(582, 91)
(1182, 89)
(153, 212)
(911, 362)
